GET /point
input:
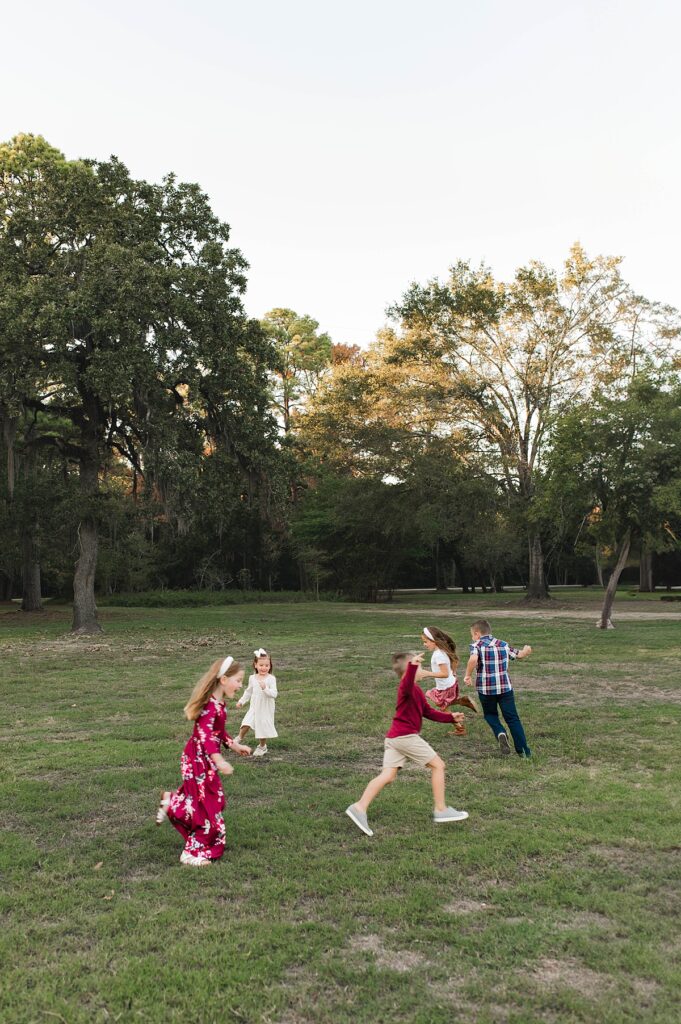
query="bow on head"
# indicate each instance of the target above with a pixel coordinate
(261, 653)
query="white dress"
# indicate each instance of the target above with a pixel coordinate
(260, 715)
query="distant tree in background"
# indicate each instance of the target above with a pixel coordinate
(616, 461)
(508, 360)
(128, 326)
(303, 353)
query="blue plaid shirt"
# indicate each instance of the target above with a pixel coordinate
(492, 672)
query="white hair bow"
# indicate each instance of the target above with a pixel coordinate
(261, 653)
(225, 665)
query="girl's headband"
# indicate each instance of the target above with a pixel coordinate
(426, 632)
(261, 653)
(225, 665)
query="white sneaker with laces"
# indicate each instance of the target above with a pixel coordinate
(259, 751)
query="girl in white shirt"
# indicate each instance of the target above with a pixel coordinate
(443, 664)
(262, 693)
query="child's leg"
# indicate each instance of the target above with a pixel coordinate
(387, 776)
(262, 743)
(508, 710)
(242, 731)
(437, 768)
(491, 713)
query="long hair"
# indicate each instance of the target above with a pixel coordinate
(205, 686)
(445, 643)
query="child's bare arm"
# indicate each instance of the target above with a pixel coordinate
(471, 667)
(221, 765)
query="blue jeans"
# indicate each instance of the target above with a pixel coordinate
(492, 704)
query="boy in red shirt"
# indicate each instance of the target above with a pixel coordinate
(403, 743)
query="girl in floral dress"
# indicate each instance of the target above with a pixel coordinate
(196, 808)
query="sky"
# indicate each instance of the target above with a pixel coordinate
(354, 148)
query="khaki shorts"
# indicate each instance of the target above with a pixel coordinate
(400, 749)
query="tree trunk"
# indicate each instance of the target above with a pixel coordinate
(645, 585)
(84, 606)
(30, 574)
(536, 584)
(599, 569)
(622, 556)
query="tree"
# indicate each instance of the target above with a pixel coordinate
(617, 463)
(508, 359)
(303, 355)
(128, 325)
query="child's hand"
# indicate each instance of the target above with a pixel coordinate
(526, 650)
(239, 704)
(241, 749)
(263, 683)
(458, 716)
(468, 681)
(416, 660)
(227, 769)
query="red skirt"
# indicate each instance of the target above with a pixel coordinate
(443, 698)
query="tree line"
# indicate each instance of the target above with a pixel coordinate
(158, 437)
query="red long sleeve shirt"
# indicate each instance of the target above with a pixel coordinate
(412, 707)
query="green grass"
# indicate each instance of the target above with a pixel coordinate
(557, 901)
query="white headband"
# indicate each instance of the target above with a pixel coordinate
(261, 653)
(225, 665)
(426, 632)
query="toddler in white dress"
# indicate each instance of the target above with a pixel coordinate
(262, 694)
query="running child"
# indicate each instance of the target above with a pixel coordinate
(489, 660)
(262, 693)
(196, 808)
(442, 664)
(403, 743)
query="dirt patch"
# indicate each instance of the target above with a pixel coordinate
(646, 990)
(583, 920)
(521, 610)
(401, 960)
(572, 974)
(145, 647)
(466, 907)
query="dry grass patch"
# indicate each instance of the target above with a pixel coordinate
(570, 973)
(401, 960)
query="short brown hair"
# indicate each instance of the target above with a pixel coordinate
(400, 661)
(482, 627)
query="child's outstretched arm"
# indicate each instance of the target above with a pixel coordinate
(246, 695)
(221, 765)
(471, 667)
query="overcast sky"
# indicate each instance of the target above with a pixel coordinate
(354, 147)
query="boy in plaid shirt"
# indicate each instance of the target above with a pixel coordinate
(489, 660)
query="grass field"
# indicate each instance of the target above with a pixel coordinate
(557, 901)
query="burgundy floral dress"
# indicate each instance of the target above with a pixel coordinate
(196, 807)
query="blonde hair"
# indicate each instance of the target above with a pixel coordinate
(445, 643)
(204, 688)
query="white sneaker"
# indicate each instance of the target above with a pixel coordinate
(449, 814)
(259, 751)
(190, 861)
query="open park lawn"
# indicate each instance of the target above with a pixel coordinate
(558, 899)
